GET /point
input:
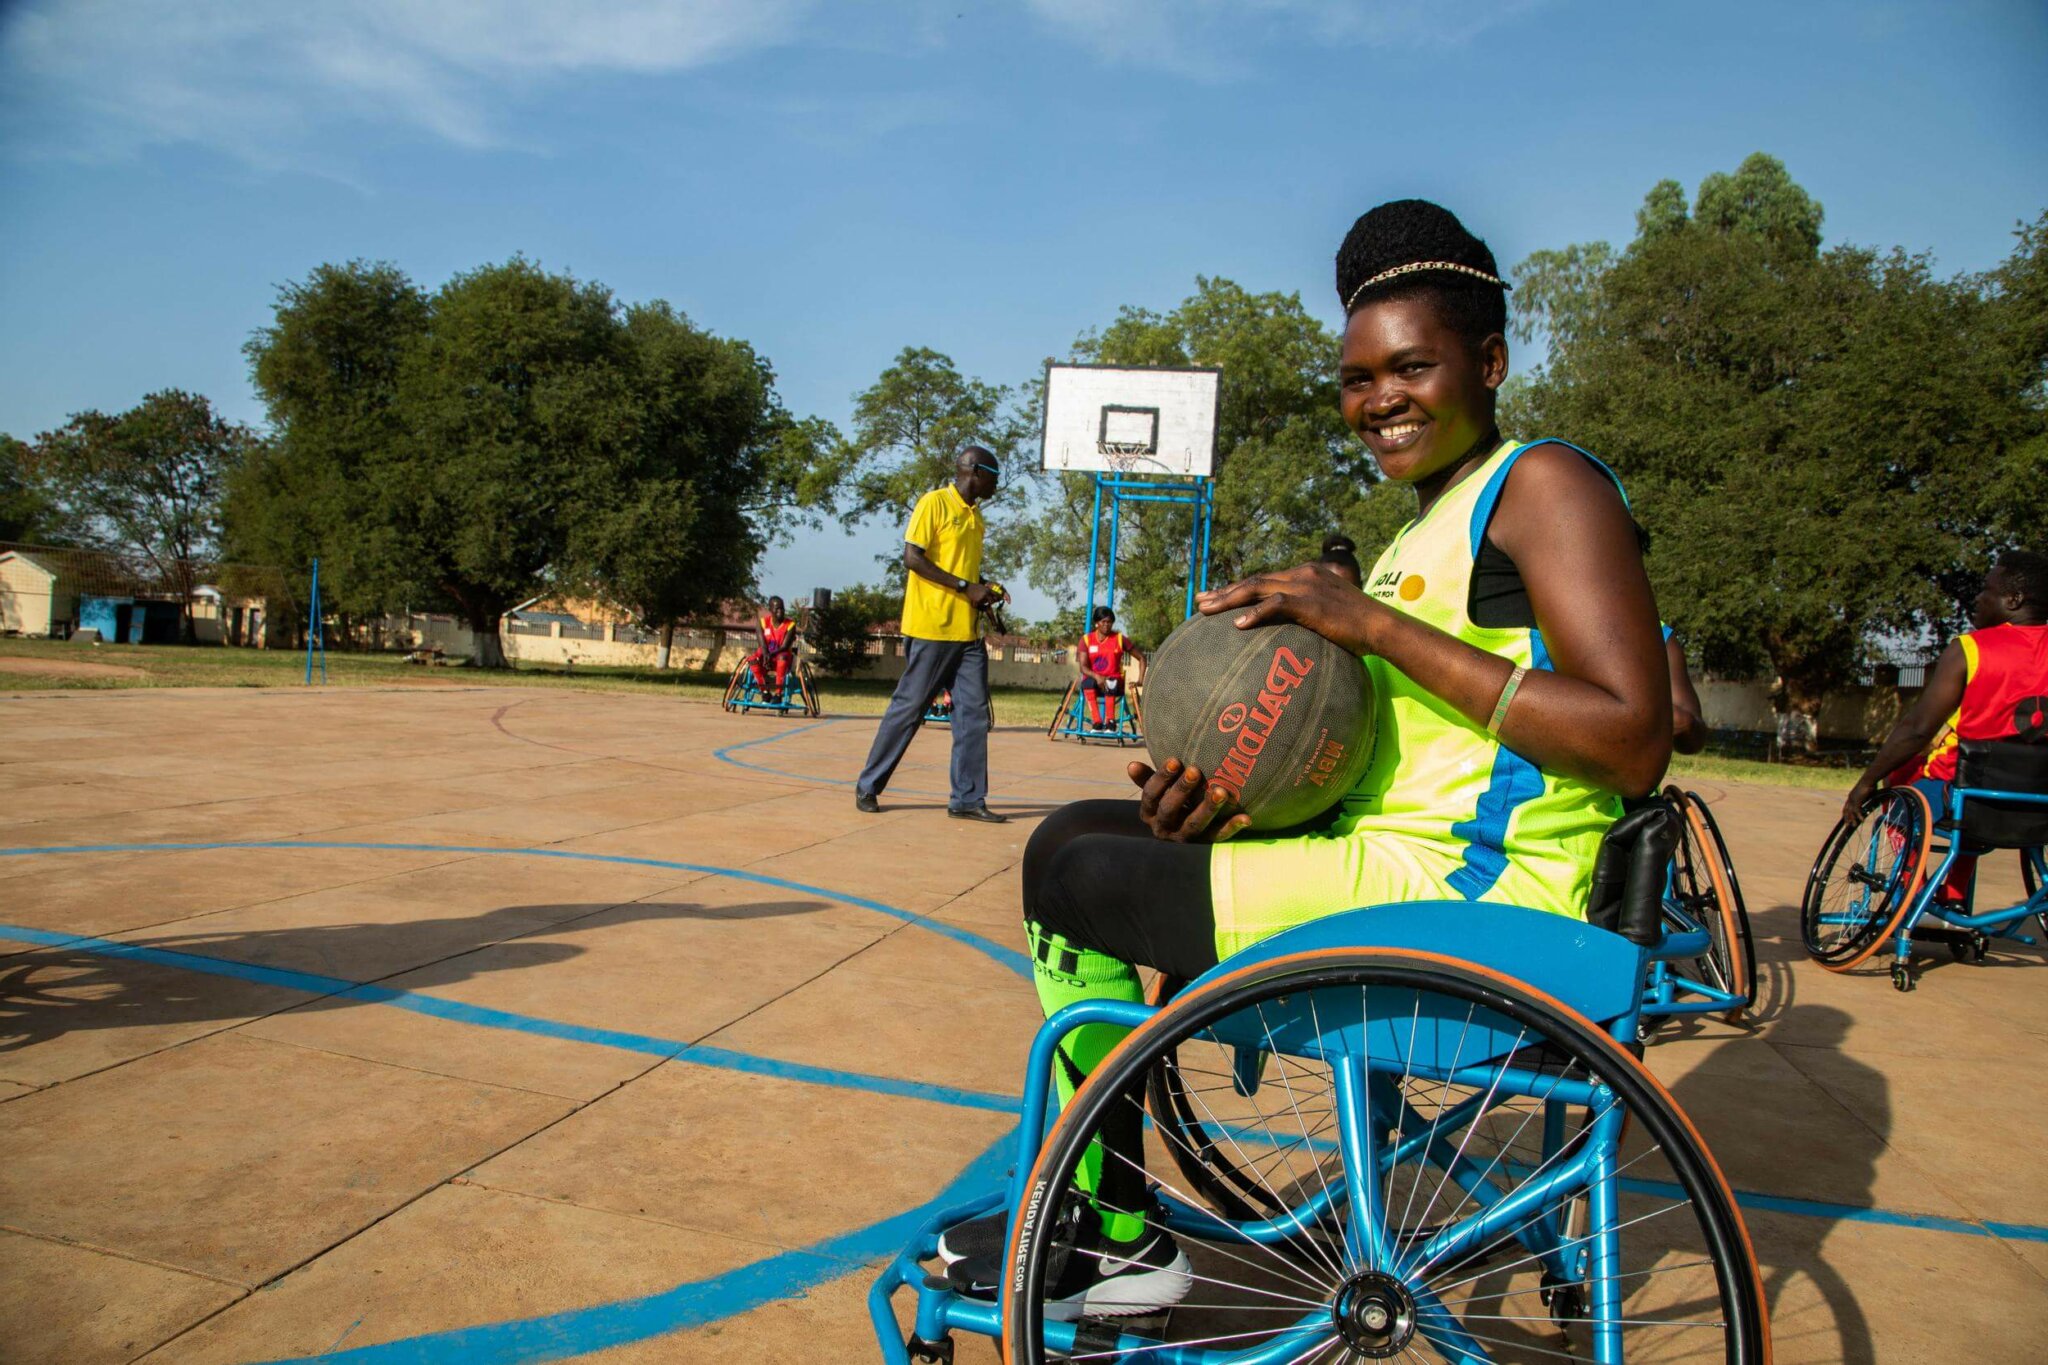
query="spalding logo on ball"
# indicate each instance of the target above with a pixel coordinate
(1277, 717)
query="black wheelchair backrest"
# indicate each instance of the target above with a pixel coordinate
(1629, 873)
(2008, 766)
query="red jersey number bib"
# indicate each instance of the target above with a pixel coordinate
(2006, 692)
(1105, 655)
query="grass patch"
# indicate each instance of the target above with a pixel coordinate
(1813, 777)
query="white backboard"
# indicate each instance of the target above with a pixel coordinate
(1140, 420)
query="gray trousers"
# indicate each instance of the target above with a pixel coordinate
(930, 667)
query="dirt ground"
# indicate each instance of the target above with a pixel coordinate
(474, 1024)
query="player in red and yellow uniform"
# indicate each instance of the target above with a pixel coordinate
(777, 651)
(1989, 684)
(1101, 655)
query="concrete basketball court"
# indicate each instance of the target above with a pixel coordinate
(449, 1023)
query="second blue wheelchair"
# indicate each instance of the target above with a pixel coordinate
(1879, 881)
(1445, 1145)
(799, 694)
(1705, 963)
(1072, 720)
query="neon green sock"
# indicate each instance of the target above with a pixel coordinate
(1064, 973)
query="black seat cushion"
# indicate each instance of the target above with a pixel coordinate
(1628, 874)
(2007, 766)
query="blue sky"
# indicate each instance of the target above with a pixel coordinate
(834, 182)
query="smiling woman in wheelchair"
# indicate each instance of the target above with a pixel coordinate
(1520, 687)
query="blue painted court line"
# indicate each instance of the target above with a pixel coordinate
(698, 1054)
(1008, 957)
(696, 1303)
(1851, 1213)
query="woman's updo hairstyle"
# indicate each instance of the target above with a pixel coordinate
(1412, 247)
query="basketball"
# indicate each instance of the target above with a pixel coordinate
(1276, 716)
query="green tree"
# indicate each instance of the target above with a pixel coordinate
(717, 468)
(516, 414)
(1287, 474)
(838, 634)
(1805, 497)
(147, 482)
(909, 426)
(327, 368)
(28, 514)
(516, 431)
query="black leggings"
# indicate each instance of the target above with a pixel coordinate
(1094, 874)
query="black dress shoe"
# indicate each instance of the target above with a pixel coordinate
(863, 802)
(981, 813)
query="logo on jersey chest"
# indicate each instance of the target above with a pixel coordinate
(1394, 583)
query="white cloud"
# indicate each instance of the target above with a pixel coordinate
(297, 83)
(1217, 39)
(106, 77)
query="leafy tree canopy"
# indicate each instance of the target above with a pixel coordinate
(1815, 438)
(27, 512)
(147, 481)
(838, 633)
(327, 369)
(516, 430)
(908, 428)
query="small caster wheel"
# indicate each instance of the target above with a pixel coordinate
(1902, 977)
(938, 1352)
(1646, 1029)
(1980, 945)
(1566, 1301)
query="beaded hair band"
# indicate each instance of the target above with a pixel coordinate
(1414, 266)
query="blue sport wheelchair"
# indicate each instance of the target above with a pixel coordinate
(1880, 880)
(1705, 963)
(799, 695)
(1072, 720)
(1407, 1132)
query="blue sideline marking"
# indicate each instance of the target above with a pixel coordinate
(699, 1054)
(1852, 1213)
(580, 1331)
(1008, 957)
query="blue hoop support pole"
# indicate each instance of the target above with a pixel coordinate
(314, 634)
(1094, 548)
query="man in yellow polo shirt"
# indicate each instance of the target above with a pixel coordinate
(944, 591)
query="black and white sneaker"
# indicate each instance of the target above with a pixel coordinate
(987, 1235)
(1100, 1279)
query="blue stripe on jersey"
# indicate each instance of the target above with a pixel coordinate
(1482, 511)
(1513, 782)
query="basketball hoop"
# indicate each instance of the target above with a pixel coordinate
(1123, 456)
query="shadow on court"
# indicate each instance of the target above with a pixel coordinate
(52, 992)
(1757, 1135)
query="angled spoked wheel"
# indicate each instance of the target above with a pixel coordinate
(1203, 1152)
(1059, 715)
(1464, 1170)
(1703, 879)
(807, 686)
(732, 688)
(1865, 878)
